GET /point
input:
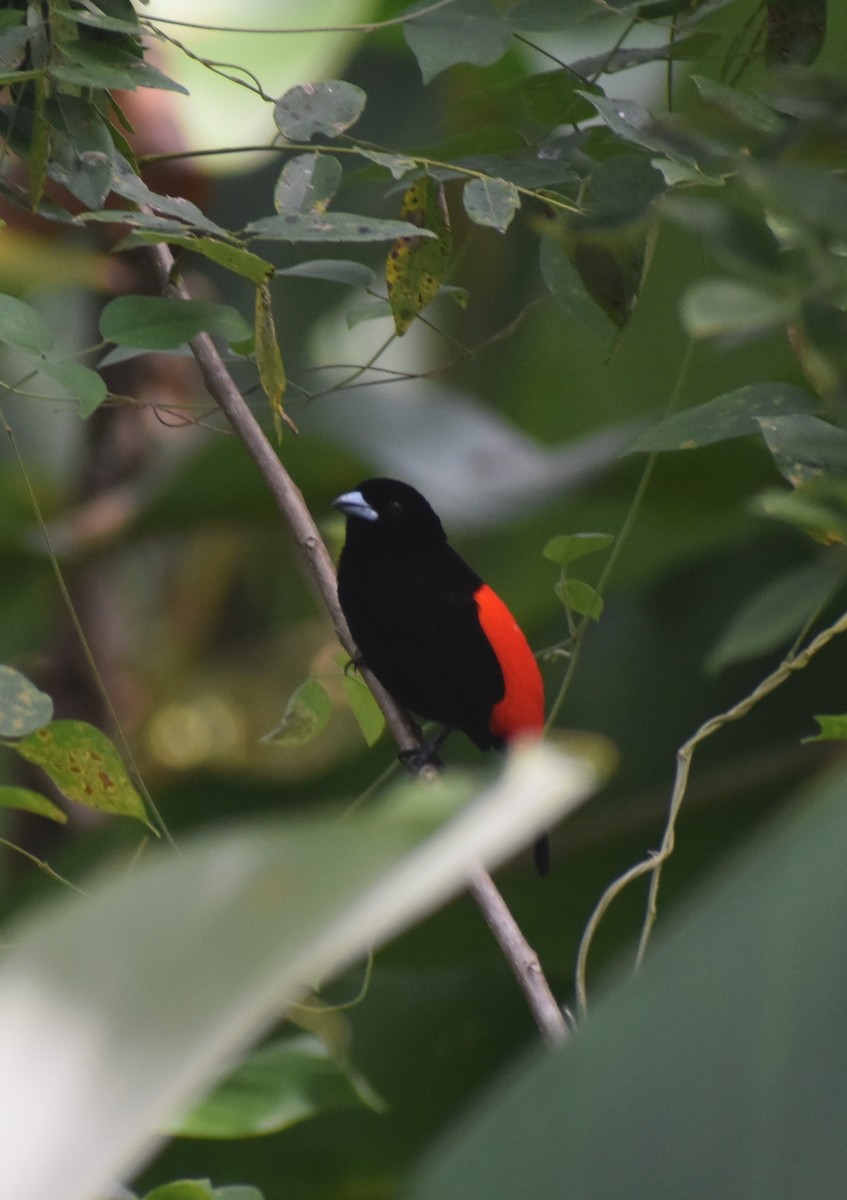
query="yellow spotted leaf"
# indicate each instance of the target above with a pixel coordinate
(269, 360)
(84, 766)
(416, 266)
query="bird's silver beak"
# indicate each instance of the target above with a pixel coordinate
(354, 504)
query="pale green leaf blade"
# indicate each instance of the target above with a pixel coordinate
(491, 202)
(306, 716)
(26, 800)
(85, 766)
(118, 1009)
(567, 548)
(733, 309)
(580, 598)
(365, 709)
(778, 611)
(23, 707)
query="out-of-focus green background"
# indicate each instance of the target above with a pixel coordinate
(203, 622)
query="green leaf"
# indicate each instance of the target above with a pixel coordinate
(269, 358)
(22, 326)
(367, 310)
(306, 716)
(23, 707)
(82, 150)
(91, 64)
(468, 31)
(416, 266)
(804, 447)
(129, 185)
(491, 202)
(398, 164)
(732, 415)
(832, 729)
(568, 290)
(333, 270)
(85, 385)
(307, 183)
(580, 597)
(567, 548)
(818, 508)
(330, 227)
(641, 1081)
(119, 1008)
(744, 108)
(778, 611)
(693, 46)
(28, 801)
(232, 258)
(365, 709)
(283, 1083)
(183, 1189)
(164, 322)
(328, 108)
(732, 309)
(84, 766)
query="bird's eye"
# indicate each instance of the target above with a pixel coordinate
(395, 508)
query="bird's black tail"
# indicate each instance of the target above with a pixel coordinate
(541, 855)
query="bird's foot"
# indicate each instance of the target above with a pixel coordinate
(419, 758)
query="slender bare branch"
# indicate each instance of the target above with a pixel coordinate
(289, 500)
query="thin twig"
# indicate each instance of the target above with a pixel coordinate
(520, 956)
(653, 863)
(289, 500)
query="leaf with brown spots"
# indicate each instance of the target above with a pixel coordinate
(84, 766)
(22, 706)
(416, 266)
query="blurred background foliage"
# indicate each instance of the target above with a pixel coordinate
(513, 413)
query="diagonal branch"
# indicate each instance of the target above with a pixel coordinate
(289, 500)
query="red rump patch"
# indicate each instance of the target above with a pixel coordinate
(522, 708)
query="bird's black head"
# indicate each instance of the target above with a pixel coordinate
(391, 512)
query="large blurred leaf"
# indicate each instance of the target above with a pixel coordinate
(117, 1009)
(773, 615)
(733, 310)
(720, 1070)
